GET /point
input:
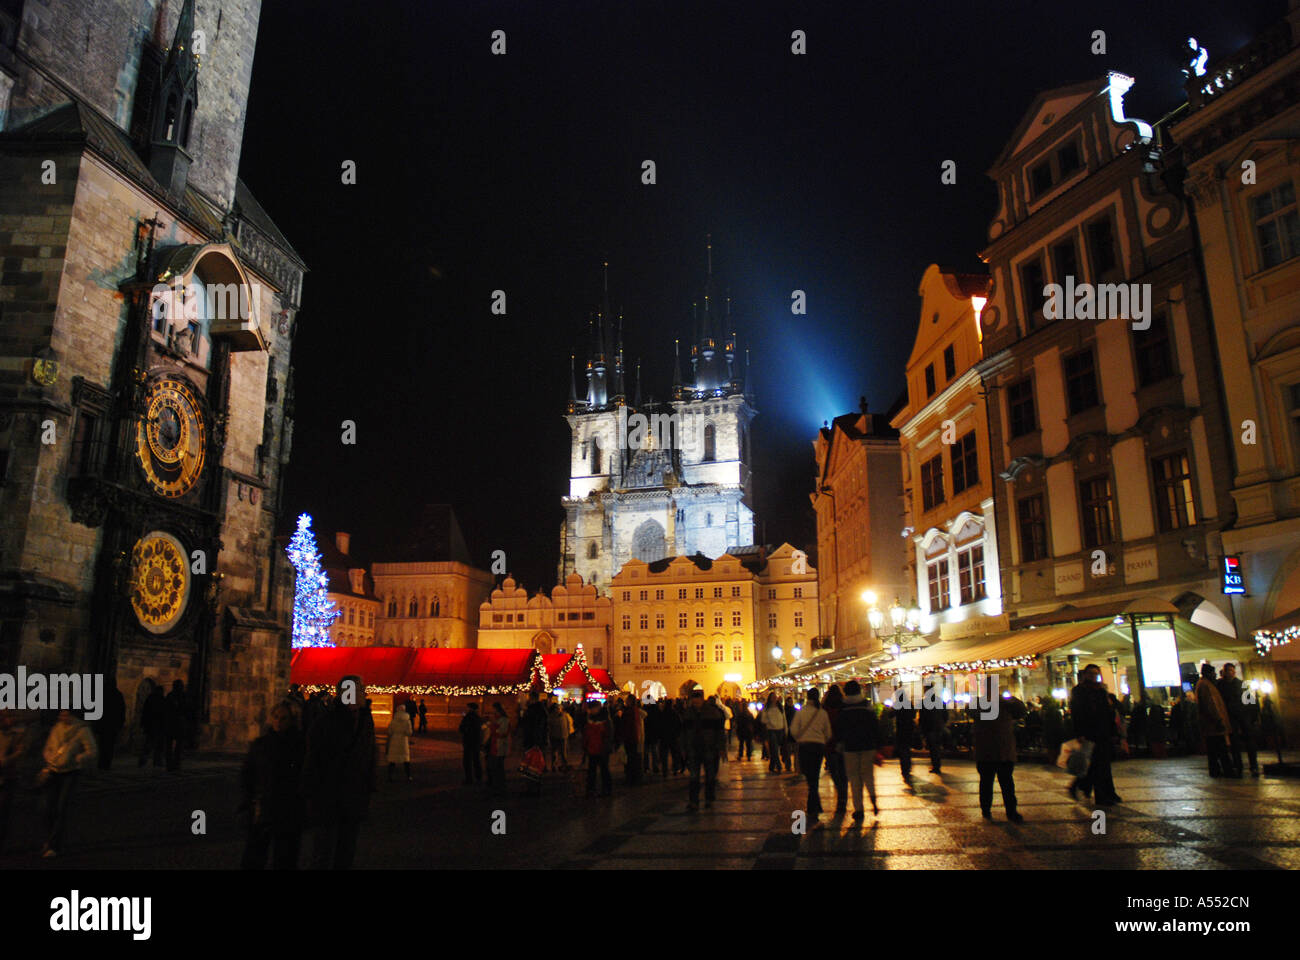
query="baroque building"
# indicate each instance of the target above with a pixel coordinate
(858, 499)
(654, 480)
(715, 623)
(148, 304)
(949, 486)
(574, 615)
(352, 590)
(1240, 137)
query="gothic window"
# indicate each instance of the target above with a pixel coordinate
(435, 608)
(392, 608)
(370, 619)
(595, 457)
(709, 442)
(648, 542)
(352, 616)
(414, 608)
(591, 551)
(169, 119)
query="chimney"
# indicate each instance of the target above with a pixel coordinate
(343, 541)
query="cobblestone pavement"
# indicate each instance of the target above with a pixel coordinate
(1172, 816)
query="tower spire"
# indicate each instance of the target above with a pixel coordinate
(636, 399)
(573, 385)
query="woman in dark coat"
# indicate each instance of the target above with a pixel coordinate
(995, 753)
(272, 785)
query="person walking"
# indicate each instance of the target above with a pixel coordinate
(774, 728)
(69, 749)
(1094, 721)
(152, 719)
(833, 704)
(788, 747)
(933, 719)
(995, 751)
(533, 724)
(271, 781)
(399, 744)
(338, 775)
(177, 724)
(727, 716)
(811, 730)
(498, 746)
(559, 728)
(597, 743)
(1239, 713)
(471, 744)
(1216, 725)
(412, 713)
(904, 733)
(422, 711)
(632, 733)
(704, 740)
(742, 722)
(858, 731)
(650, 754)
(109, 725)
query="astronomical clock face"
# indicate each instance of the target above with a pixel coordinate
(160, 581)
(171, 439)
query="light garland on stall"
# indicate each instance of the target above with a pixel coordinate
(1268, 640)
(579, 659)
(537, 676)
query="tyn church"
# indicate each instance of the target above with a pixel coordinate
(655, 480)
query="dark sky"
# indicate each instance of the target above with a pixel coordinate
(522, 172)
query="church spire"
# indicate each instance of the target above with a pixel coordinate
(677, 369)
(573, 386)
(166, 99)
(620, 395)
(636, 398)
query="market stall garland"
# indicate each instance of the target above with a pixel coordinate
(884, 673)
(537, 678)
(1269, 640)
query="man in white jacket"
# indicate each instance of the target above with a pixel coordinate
(811, 730)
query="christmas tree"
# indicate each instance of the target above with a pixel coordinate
(312, 612)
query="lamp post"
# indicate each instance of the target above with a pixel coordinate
(905, 621)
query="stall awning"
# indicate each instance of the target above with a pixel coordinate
(572, 670)
(433, 670)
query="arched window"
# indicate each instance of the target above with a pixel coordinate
(595, 456)
(709, 442)
(591, 551)
(414, 608)
(169, 119)
(435, 608)
(392, 608)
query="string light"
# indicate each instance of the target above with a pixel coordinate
(1268, 640)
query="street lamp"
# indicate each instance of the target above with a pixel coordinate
(796, 652)
(905, 621)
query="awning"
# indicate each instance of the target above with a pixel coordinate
(572, 670)
(432, 670)
(996, 651)
(822, 663)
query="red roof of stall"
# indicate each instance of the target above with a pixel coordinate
(325, 666)
(566, 670)
(438, 667)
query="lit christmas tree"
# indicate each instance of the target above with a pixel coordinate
(312, 612)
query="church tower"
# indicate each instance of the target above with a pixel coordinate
(655, 480)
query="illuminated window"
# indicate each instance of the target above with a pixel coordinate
(717, 618)
(681, 653)
(659, 594)
(717, 593)
(659, 653)
(627, 654)
(644, 654)
(699, 618)
(627, 621)
(735, 591)
(699, 653)
(965, 463)
(681, 594)
(798, 593)
(659, 621)
(1098, 519)
(737, 652)
(718, 653)
(771, 620)
(627, 595)
(970, 574)
(681, 620)
(938, 576)
(1173, 479)
(699, 593)
(798, 616)
(644, 621)
(736, 618)
(643, 595)
(1277, 226)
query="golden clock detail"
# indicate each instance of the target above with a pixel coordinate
(160, 581)
(171, 438)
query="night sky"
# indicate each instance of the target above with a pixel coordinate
(522, 173)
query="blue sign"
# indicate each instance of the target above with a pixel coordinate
(1233, 579)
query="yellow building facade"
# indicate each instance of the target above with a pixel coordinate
(433, 604)
(691, 621)
(947, 476)
(575, 614)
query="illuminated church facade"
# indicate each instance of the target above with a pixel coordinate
(654, 480)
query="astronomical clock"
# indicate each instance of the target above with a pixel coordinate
(159, 581)
(171, 438)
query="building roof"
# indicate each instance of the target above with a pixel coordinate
(247, 207)
(434, 538)
(431, 670)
